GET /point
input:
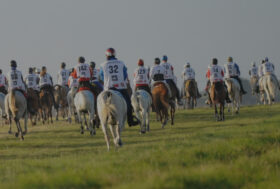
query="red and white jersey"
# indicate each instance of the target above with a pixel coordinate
(2, 80)
(141, 76)
(83, 71)
(216, 73)
(114, 74)
(45, 80)
(72, 82)
(62, 77)
(188, 73)
(168, 70)
(268, 68)
(15, 80)
(31, 81)
(156, 69)
(254, 71)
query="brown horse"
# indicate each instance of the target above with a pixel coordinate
(218, 95)
(46, 105)
(34, 103)
(60, 96)
(191, 93)
(161, 102)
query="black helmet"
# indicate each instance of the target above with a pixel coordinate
(92, 64)
(63, 65)
(30, 70)
(157, 61)
(81, 59)
(13, 63)
(214, 61)
(44, 68)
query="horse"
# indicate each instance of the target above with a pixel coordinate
(34, 104)
(233, 88)
(60, 94)
(112, 111)
(2, 108)
(161, 102)
(46, 103)
(218, 95)
(16, 108)
(254, 83)
(84, 103)
(270, 87)
(191, 93)
(141, 102)
(71, 105)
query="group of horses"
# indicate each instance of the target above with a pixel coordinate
(108, 108)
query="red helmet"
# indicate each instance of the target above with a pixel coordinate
(110, 52)
(140, 62)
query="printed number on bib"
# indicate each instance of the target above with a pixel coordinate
(113, 69)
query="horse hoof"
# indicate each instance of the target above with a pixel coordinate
(92, 133)
(24, 133)
(10, 132)
(82, 132)
(16, 134)
(143, 132)
(22, 138)
(120, 143)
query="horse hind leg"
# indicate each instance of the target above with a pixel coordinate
(106, 136)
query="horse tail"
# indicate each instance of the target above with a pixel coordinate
(107, 99)
(12, 99)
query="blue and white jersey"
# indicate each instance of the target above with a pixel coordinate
(15, 80)
(231, 69)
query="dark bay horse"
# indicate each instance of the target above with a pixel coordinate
(191, 93)
(34, 103)
(161, 102)
(60, 96)
(218, 95)
(46, 102)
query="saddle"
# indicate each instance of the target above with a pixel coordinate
(156, 83)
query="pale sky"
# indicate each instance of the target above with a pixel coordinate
(48, 32)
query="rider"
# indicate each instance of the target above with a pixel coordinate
(15, 81)
(62, 76)
(113, 73)
(215, 73)
(189, 74)
(72, 82)
(141, 77)
(169, 77)
(32, 81)
(157, 72)
(254, 70)
(231, 70)
(95, 76)
(268, 69)
(3, 83)
(46, 83)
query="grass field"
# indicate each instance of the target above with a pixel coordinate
(197, 152)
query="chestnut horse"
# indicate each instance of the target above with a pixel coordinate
(161, 103)
(191, 93)
(46, 102)
(218, 95)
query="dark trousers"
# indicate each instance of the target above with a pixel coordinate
(173, 86)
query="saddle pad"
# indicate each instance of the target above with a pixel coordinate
(85, 89)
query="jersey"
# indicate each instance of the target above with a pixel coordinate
(231, 70)
(95, 75)
(268, 68)
(82, 72)
(254, 71)
(114, 74)
(156, 69)
(2, 80)
(72, 82)
(62, 77)
(168, 70)
(15, 80)
(188, 73)
(45, 79)
(216, 73)
(141, 76)
(31, 81)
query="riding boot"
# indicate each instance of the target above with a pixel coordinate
(52, 96)
(241, 86)
(227, 95)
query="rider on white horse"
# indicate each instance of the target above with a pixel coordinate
(232, 71)
(268, 69)
(62, 76)
(169, 77)
(3, 83)
(113, 73)
(15, 82)
(72, 81)
(189, 74)
(141, 77)
(253, 72)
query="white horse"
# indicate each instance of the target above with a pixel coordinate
(112, 109)
(71, 105)
(141, 101)
(16, 108)
(254, 83)
(2, 107)
(233, 88)
(84, 103)
(270, 87)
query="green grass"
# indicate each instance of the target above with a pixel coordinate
(197, 152)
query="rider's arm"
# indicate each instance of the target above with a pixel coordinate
(237, 69)
(124, 73)
(101, 74)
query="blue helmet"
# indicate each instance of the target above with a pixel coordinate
(266, 59)
(164, 58)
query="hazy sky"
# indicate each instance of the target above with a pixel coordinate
(47, 32)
